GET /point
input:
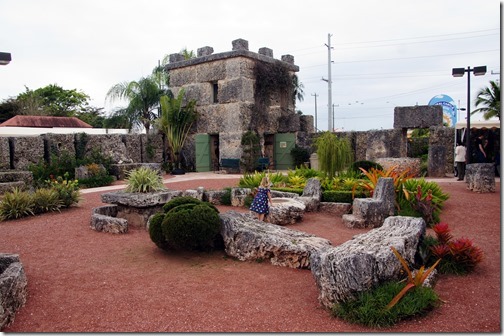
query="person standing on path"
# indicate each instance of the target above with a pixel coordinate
(480, 150)
(460, 160)
(262, 199)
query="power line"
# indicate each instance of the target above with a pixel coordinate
(419, 37)
(417, 57)
(401, 39)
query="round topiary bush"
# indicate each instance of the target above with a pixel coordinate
(179, 201)
(155, 231)
(186, 223)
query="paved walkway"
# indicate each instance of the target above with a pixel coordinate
(172, 179)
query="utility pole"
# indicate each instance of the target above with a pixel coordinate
(316, 125)
(330, 125)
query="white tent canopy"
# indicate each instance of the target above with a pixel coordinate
(479, 124)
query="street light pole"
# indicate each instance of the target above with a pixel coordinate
(459, 72)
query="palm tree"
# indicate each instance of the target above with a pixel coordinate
(175, 122)
(298, 92)
(142, 96)
(188, 54)
(489, 97)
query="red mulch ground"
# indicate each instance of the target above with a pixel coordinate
(80, 280)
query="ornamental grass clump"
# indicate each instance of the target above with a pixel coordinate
(16, 204)
(186, 224)
(143, 180)
(46, 200)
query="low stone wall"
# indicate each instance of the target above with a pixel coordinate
(104, 219)
(13, 288)
(120, 170)
(335, 208)
(135, 208)
(402, 164)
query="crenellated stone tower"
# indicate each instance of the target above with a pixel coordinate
(232, 100)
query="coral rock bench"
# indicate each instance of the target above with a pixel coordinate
(343, 271)
(247, 238)
(371, 212)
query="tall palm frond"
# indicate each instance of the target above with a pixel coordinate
(142, 96)
(489, 98)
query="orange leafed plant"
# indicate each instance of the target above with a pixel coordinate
(413, 281)
(374, 175)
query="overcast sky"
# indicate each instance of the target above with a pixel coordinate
(385, 53)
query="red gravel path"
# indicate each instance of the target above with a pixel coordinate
(80, 280)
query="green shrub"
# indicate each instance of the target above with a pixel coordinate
(191, 227)
(292, 190)
(143, 180)
(226, 197)
(96, 181)
(340, 196)
(247, 202)
(16, 204)
(45, 200)
(299, 155)
(59, 165)
(183, 201)
(68, 190)
(186, 223)
(156, 231)
(369, 307)
(365, 164)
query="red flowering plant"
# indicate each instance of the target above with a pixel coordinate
(458, 256)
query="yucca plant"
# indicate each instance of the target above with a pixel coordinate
(16, 204)
(412, 281)
(143, 180)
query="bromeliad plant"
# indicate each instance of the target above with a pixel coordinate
(458, 256)
(421, 198)
(413, 281)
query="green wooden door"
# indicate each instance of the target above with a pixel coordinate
(203, 159)
(284, 142)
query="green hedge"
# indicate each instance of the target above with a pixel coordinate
(292, 190)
